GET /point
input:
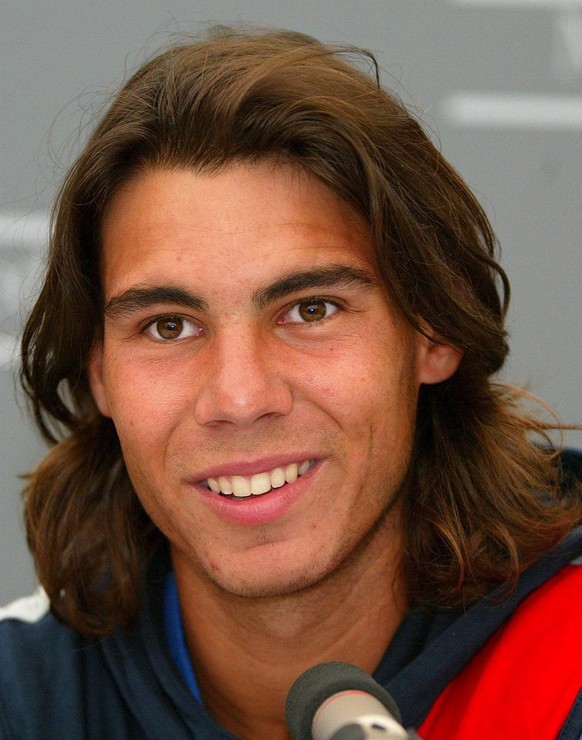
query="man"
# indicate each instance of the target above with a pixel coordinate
(269, 329)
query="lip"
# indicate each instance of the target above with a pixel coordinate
(247, 468)
(258, 510)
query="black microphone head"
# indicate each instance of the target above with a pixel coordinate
(318, 683)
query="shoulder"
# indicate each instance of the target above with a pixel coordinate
(28, 609)
(570, 467)
(528, 674)
(545, 634)
(43, 663)
(30, 636)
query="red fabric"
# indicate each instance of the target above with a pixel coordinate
(523, 682)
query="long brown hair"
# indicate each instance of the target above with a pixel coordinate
(474, 514)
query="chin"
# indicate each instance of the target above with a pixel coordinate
(265, 589)
(271, 580)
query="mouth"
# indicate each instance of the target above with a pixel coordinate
(241, 486)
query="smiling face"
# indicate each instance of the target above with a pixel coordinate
(262, 384)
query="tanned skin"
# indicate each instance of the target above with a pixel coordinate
(246, 331)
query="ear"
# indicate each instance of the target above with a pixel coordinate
(438, 361)
(95, 374)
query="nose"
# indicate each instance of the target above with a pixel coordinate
(242, 380)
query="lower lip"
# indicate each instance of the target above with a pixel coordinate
(262, 509)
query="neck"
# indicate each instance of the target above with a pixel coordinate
(248, 652)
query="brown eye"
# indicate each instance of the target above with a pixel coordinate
(312, 310)
(169, 328)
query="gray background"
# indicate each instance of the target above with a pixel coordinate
(497, 82)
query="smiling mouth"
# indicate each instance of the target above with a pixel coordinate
(240, 486)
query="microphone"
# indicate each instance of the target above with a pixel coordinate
(339, 701)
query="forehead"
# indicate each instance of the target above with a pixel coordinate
(245, 222)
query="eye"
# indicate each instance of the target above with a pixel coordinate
(169, 328)
(309, 311)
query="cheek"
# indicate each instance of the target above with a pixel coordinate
(142, 408)
(370, 383)
(136, 385)
(384, 407)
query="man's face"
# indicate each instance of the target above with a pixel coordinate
(249, 347)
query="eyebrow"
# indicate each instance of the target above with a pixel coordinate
(332, 276)
(137, 298)
(134, 299)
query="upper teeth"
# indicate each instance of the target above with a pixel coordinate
(241, 486)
